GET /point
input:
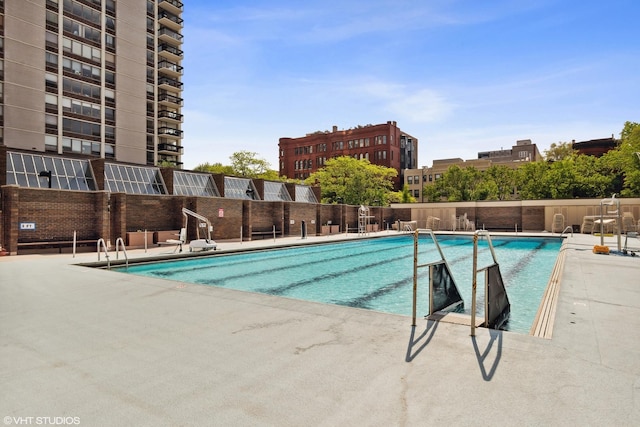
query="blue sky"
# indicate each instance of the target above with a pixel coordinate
(461, 76)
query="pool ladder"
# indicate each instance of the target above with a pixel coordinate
(119, 242)
(497, 307)
(568, 227)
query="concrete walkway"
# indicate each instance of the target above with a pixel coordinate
(109, 349)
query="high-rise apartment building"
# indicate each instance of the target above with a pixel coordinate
(98, 78)
(383, 144)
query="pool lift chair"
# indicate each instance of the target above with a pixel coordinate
(204, 244)
(181, 240)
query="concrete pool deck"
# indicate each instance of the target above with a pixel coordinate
(98, 347)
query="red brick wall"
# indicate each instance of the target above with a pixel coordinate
(298, 212)
(498, 218)
(57, 214)
(532, 218)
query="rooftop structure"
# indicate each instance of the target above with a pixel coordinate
(595, 147)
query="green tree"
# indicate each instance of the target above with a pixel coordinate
(624, 161)
(561, 179)
(406, 196)
(215, 168)
(591, 178)
(530, 179)
(354, 182)
(559, 151)
(248, 164)
(504, 178)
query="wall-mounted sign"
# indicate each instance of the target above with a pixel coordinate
(220, 213)
(27, 226)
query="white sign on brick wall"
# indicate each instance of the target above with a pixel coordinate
(27, 226)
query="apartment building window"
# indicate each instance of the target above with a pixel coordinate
(51, 102)
(51, 123)
(51, 40)
(81, 69)
(110, 77)
(110, 23)
(109, 114)
(81, 128)
(110, 134)
(80, 146)
(51, 81)
(79, 30)
(51, 59)
(52, 21)
(110, 60)
(410, 180)
(81, 108)
(80, 88)
(109, 151)
(111, 6)
(81, 49)
(109, 96)
(50, 143)
(81, 11)
(109, 41)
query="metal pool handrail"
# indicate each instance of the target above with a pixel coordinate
(475, 276)
(124, 250)
(416, 234)
(106, 253)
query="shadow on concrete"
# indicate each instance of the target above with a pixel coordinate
(482, 358)
(427, 334)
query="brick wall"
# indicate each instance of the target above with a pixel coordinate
(58, 213)
(298, 212)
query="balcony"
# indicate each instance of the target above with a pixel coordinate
(173, 6)
(169, 52)
(166, 83)
(170, 116)
(167, 35)
(171, 133)
(170, 68)
(170, 20)
(169, 100)
(169, 149)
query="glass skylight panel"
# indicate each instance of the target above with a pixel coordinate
(133, 179)
(305, 194)
(24, 169)
(239, 188)
(276, 191)
(194, 184)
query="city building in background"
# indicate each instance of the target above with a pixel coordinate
(523, 152)
(93, 78)
(595, 147)
(382, 144)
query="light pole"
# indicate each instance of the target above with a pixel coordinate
(46, 174)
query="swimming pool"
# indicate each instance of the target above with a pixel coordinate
(375, 274)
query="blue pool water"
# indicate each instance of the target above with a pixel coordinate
(375, 274)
